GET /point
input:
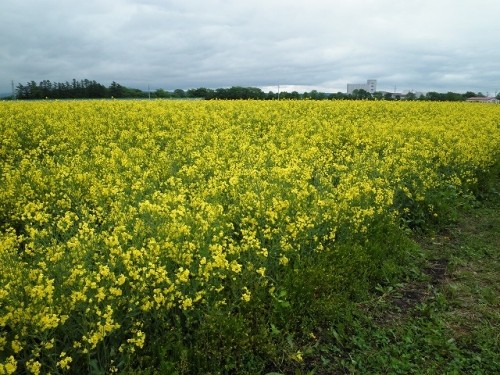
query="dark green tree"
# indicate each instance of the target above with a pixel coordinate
(179, 93)
(45, 88)
(271, 95)
(34, 91)
(338, 96)
(200, 92)
(361, 94)
(96, 90)
(160, 93)
(315, 95)
(116, 90)
(22, 92)
(388, 96)
(411, 96)
(434, 96)
(453, 97)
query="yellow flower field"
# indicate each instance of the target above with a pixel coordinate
(119, 217)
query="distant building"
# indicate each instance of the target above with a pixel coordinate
(370, 86)
(482, 99)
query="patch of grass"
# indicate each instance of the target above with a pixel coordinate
(443, 319)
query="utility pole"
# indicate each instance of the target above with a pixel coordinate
(13, 91)
(278, 92)
(149, 92)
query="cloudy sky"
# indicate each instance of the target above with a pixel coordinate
(422, 45)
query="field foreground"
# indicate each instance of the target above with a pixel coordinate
(216, 237)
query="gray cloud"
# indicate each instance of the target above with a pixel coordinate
(416, 44)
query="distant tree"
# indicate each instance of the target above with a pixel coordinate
(255, 93)
(294, 95)
(63, 90)
(116, 90)
(77, 90)
(411, 96)
(498, 96)
(271, 95)
(315, 95)
(134, 93)
(34, 91)
(361, 94)
(160, 93)
(220, 93)
(22, 92)
(388, 96)
(452, 97)
(200, 92)
(285, 95)
(338, 96)
(45, 88)
(469, 94)
(179, 93)
(434, 96)
(237, 92)
(96, 90)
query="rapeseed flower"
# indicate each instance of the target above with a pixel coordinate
(121, 212)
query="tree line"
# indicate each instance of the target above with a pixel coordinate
(86, 89)
(83, 89)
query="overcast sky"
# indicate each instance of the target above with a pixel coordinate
(422, 45)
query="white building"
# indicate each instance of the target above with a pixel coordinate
(370, 86)
(481, 99)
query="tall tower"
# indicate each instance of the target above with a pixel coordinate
(371, 85)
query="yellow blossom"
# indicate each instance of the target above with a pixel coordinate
(64, 362)
(33, 366)
(283, 260)
(246, 295)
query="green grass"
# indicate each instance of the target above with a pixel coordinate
(443, 318)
